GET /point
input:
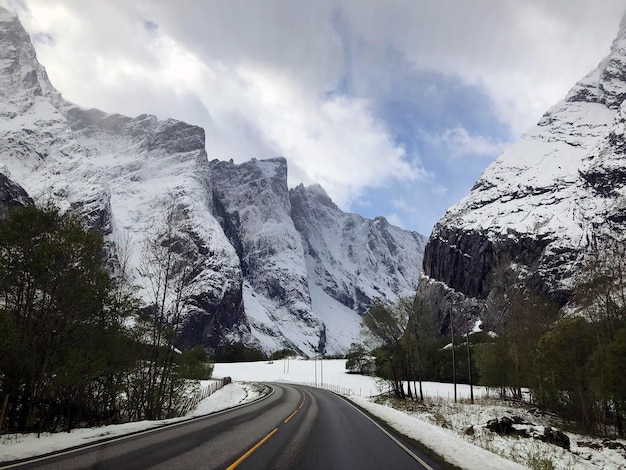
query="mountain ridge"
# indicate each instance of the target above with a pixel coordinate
(541, 205)
(255, 278)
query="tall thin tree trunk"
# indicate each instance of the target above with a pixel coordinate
(5, 403)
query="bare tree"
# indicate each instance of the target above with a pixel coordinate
(601, 287)
(383, 329)
(165, 268)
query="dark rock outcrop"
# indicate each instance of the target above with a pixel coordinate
(516, 426)
(538, 209)
(11, 195)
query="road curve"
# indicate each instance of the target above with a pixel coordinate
(296, 427)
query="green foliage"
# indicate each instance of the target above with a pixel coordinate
(193, 364)
(421, 342)
(56, 309)
(508, 362)
(403, 341)
(68, 355)
(282, 354)
(562, 357)
(359, 360)
(237, 353)
(441, 366)
(492, 362)
(384, 326)
(607, 365)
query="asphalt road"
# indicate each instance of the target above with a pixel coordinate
(296, 427)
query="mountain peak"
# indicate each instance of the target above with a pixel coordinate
(257, 278)
(6, 15)
(21, 75)
(606, 84)
(537, 208)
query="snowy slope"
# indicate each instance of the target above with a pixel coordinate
(250, 248)
(545, 199)
(118, 172)
(352, 260)
(305, 261)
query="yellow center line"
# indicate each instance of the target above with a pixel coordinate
(290, 416)
(249, 453)
(262, 441)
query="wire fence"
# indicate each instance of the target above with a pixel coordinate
(191, 402)
(339, 389)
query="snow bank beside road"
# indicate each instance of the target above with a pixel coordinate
(21, 446)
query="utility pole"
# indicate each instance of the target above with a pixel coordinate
(469, 356)
(453, 352)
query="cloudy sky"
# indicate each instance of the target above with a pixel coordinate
(394, 106)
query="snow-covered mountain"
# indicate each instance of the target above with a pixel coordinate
(542, 203)
(272, 267)
(305, 261)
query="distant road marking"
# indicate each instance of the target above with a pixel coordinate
(251, 451)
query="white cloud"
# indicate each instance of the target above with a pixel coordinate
(396, 220)
(402, 205)
(335, 141)
(256, 95)
(460, 143)
(265, 78)
(526, 55)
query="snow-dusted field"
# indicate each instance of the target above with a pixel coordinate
(329, 374)
(439, 423)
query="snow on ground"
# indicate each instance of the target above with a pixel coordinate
(329, 372)
(343, 325)
(444, 441)
(439, 422)
(20, 446)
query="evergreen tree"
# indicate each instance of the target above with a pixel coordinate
(562, 361)
(421, 343)
(54, 304)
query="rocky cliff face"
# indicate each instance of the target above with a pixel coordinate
(542, 203)
(350, 258)
(119, 173)
(252, 202)
(11, 195)
(304, 261)
(270, 267)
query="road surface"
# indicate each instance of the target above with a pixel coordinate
(296, 427)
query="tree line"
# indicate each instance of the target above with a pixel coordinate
(571, 364)
(77, 345)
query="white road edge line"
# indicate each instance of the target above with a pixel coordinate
(400, 444)
(134, 434)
